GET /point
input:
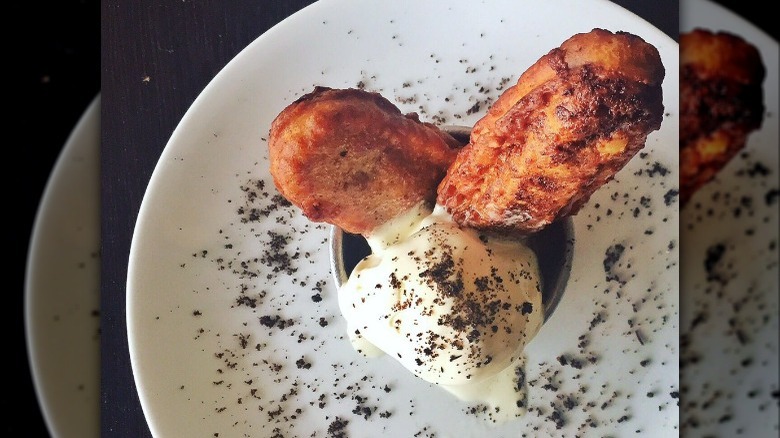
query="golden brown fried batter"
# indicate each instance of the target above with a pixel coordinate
(570, 123)
(721, 103)
(350, 158)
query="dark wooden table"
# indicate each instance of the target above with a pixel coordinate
(157, 57)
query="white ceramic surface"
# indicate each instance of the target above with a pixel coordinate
(729, 282)
(62, 287)
(233, 321)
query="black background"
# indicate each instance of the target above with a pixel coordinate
(56, 58)
(54, 66)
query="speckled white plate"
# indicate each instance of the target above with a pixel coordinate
(233, 320)
(729, 282)
(62, 287)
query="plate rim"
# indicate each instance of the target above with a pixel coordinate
(74, 142)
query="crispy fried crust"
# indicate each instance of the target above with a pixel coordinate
(350, 158)
(721, 103)
(573, 120)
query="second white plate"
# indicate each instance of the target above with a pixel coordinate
(62, 287)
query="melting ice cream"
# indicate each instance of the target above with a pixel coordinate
(453, 306)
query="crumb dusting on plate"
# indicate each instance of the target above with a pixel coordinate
(557, 396)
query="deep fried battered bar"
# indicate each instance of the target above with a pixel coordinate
(721, 103)
(350, 158)
(572, 120)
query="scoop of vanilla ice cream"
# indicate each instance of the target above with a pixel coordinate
(450, 304)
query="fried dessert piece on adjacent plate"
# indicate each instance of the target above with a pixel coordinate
(572, 121)
(350, 158)
(721, 103)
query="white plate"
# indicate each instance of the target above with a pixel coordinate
(205, 285)
(62, 287)
(729, 315)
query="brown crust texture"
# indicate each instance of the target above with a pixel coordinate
(350, 158)
(573, 119)
(721, 103)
